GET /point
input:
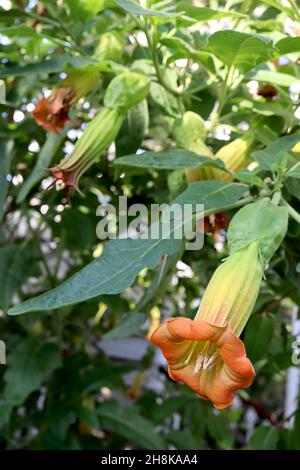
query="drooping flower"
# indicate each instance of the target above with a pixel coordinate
(98, 135)
(124, 91)
(190, 133)
(52, 113)
(235, 157)
(206, 353)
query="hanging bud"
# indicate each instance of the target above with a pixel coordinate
(110, 47)
(123, 92)
(52, 113)
(97, 136)
(234, 155)
(190, 133)
(206, 353)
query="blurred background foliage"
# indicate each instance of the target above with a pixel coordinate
(85, 376)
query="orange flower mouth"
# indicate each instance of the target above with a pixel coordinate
(210, 359)
(52, 112)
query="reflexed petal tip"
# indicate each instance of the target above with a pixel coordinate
(210, 359)
(64, 180)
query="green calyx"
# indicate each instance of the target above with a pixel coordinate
(126, 90)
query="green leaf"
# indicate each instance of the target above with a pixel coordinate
(294, 171)
(264, 438)
(122, 260)
(6, 151)
(169, 160)
(126, 90)
(280, 6)
(128, 423)
(260, 221)
(135, 9)
(258, 336)
(128, 325)
(45, 157)
(202, 13)
(17, 263)
(275, 78)
(288, 45)
(5, 412)
(242, 50)
(246, 176)
(184, 440)
(29, 362)
(271, 157)
(48, 66)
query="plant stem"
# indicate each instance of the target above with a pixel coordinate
(160, 77)
(235, 205)
(222, 99)
(293, 213)
(295, 10)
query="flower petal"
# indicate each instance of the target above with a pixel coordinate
(232, 370)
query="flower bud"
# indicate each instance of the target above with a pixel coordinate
(190, 133)
(110, 47)
(52, 112)
(97, 136)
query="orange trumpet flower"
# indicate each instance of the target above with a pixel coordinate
(206, 353)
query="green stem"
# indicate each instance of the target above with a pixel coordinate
(222, 98)
(154, 46)
(235, 205)
(293, 213)
(295, 10)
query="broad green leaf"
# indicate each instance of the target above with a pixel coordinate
(5, 412)
(246, 176)
(126, 90)
(168, 160)
(17, 263)
(264, 438)
(85, 9)
(281, 6)
(259, 221)
(58, 64)
(128, 423)
(242, 50)
(275, 78)
(6, 151)
(271, 157)
(288, 45)
(128, 325)
(258, 336)
(28, 364)
(135, 9)
(123, 259)
(45, 157)
(184, 440)
(203, 13)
